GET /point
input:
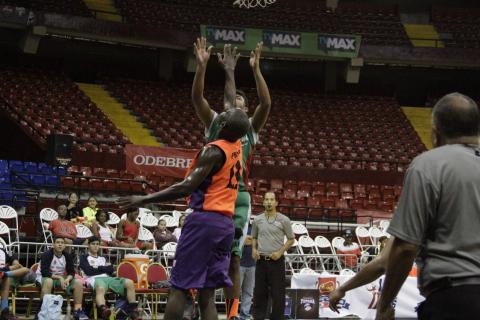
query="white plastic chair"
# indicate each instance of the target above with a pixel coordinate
(337, 242)
(170, 220)
(323, 243)
(5, 230)
(375, 234)
(146, 235)
(306, 245)
(47, 215)
(299, 229)
(176, 215)
(383, 225)
(113, 219)
(363, 238)
(8, 213)
(170, 248)
(149, 221)
(347, 272)
(83, 232)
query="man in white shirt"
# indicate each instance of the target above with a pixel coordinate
(98, 276)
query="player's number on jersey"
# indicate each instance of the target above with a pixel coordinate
(235, 175)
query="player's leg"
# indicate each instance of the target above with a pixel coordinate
(206, 301)
(175, 304)
(240, 218)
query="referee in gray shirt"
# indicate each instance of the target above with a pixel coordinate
(268, 233)
(438, 218)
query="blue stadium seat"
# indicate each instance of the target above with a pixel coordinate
(3, 165)
(21, 179)
(61, 171)
(30, 167)
(37, 179)
(16, 166)
(52, 181)
(45, 169)
(4, 182)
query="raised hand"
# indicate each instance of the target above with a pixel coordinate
(255, 56)
(334, 298)
(230, 57)
(202, 53)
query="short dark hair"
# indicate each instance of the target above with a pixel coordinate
(99, 212)
(456, 115)
(244, 95)
(55, 238)
(236, 125)
(92, 239)
(131, 209)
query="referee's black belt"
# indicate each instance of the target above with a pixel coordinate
(268, 258)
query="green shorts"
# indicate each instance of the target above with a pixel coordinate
(240, 220)
(117, 285)
(56, 284)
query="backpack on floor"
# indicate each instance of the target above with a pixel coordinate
(51, 307)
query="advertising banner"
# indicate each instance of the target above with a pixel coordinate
(162, 161)
(283, 42)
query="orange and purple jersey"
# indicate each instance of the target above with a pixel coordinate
(218, 192)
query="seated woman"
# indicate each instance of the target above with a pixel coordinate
(102, 230)
(162, 235)
(128, 230)
(73, 210)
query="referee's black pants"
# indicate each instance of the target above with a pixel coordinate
(461, 302)
(269, 280)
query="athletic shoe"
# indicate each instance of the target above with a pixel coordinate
(134, 315)
(105, 312)
(80, 315)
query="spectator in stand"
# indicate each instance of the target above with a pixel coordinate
(73, 210)
(90, 211)
(128, 231)
(178, 231)
(162, 235)
(11, 271)
(101, 229)
(98, 273)
(57, 270)
(64, 228)
(350, 248)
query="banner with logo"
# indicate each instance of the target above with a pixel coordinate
(362, 301)
(163, 161)
(284, 42)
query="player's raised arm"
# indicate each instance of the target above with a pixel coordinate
(263, 109)
(202, 108)
(228, 61)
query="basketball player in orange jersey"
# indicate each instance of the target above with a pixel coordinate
(203, 251)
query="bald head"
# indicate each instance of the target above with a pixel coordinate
(456, 115)
(234, 124)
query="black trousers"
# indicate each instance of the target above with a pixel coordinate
(269, 281)
(462, 302)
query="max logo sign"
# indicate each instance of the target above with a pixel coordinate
(230, 35)
(282, 39)
(336, 43)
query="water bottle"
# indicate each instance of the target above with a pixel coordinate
(68, 316)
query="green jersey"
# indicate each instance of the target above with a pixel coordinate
(248, 142)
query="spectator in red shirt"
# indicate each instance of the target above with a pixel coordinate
(63, 228)
(351, 248)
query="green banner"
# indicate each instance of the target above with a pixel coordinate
(290, 43)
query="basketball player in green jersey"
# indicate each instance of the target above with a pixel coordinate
(209, 119)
